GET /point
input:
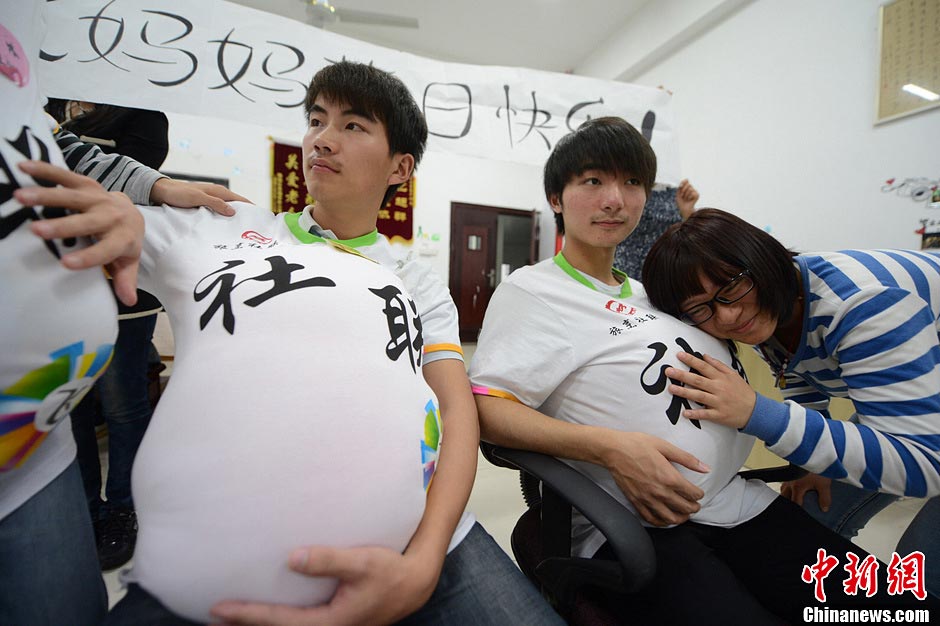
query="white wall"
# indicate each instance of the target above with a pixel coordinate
(775, 110)
(775, 107)
(241, 153)
(444, 178)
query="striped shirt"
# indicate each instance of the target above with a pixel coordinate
(870, 334)
(115, 172)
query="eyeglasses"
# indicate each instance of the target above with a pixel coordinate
(734, 290)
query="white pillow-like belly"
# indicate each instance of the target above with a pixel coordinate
(306, 433)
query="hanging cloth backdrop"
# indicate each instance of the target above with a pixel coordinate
(217, 59)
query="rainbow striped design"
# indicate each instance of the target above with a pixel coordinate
(431, 445)
(479, 390)
(25, 413)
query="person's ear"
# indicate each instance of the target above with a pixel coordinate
(555, 201)
(404, 166)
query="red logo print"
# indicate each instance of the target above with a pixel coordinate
(620, 307)
(251, 235)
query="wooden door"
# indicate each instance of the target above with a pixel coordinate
(473, 269)
(472, 266)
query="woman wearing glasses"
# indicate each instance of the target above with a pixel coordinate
(856, 324)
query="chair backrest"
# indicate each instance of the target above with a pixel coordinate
(584, 591)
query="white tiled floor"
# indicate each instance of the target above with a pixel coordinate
(497, 502)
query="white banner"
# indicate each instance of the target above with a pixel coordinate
(217, 59)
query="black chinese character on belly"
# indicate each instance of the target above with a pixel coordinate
(404, 326)
(676, 404)
(279, 275)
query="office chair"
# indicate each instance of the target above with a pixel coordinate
(583, 591)
(578, 588)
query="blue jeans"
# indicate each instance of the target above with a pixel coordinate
(923, 533)
(125, 406)
(852, 508)
(479, 585)
(49, 572)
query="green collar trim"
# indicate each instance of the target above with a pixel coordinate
(364, 240)
(566, 267)
(293, 223)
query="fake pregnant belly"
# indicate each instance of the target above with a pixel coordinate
(223, 498)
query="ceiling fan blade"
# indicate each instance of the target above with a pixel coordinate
(352, 16)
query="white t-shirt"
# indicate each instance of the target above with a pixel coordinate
(297, 413)
(552, 341)
(435, 306)
(58, 326)
(432, 297)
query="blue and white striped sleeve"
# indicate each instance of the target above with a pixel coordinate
(798, 390)
(889, 360)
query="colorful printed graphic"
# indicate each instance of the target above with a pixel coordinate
(430, 447)
(31, 407)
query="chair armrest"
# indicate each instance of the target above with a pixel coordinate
(623, 531)
(777, 474)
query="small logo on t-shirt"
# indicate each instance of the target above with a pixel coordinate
(252, 235)
(620, 307)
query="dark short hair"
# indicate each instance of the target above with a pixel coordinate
(720, 246)
(378, 94)
(609, 144)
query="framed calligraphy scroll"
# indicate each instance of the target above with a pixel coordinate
(909, 80)
(288, 191)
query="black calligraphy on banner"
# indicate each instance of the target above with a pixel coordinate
(444, 121)
(172, 37)
(283, 60)
(533, 119)
(98, 22)
(291, 57)
(166, 46)
(25, 146)
(226, 280)
(106, 35)
(404, 326)
(576, 109)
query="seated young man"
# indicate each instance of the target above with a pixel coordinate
(571, 362)
(302, 406)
